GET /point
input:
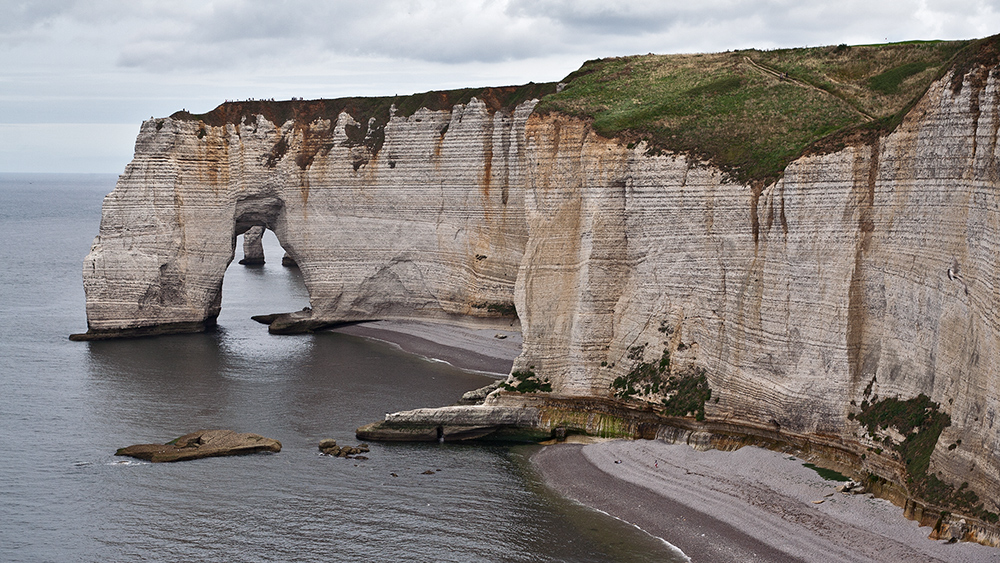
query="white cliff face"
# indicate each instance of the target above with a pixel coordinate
(862, 275)
(431, 225)
(865, 274)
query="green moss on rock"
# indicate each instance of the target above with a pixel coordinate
(920, 422)
(678, 394)
(527, 381)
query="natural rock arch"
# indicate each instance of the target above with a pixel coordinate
(428, 224)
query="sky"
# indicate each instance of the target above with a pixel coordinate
(78, 77)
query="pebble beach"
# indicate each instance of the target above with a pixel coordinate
(748, 505)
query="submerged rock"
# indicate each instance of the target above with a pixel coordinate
(203, 443)
(330, 448)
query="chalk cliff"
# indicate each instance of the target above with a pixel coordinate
(428, 222)
(824, 310)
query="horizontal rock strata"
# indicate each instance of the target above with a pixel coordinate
(430, 225)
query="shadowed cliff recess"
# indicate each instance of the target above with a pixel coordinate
(795, 248)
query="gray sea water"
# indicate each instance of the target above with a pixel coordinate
(65, 407)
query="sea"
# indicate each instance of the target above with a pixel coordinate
(65, 407)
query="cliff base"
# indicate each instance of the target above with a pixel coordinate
(511, 417)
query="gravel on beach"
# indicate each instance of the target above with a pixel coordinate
(748, 505)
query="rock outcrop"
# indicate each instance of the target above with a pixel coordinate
(329, 447)
(202, 444)
(851, 306)
(863, 275)
(457, 423)
(253, 248)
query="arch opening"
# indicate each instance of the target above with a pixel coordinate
(253, 287)
(260, 289)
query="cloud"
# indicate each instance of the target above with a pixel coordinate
(240, 33)
(21, 17)
(193, 34)
(113, 61)
(257, 36)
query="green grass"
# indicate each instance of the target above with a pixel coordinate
(888, 82)
(827, 474)
(726, 108)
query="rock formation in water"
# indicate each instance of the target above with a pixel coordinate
(849, 308)
(253, 247)
(202, 444)
(329, 447)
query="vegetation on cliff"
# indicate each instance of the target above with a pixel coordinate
(748, 112)
(677, 394)
(527, 381)
(919, 422)
(752, 112)
(363, 109)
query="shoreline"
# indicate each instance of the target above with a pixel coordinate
(477, 350)
(747, 505)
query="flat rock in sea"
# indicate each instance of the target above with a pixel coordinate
(203, 443)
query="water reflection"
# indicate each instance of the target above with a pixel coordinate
(408, 502)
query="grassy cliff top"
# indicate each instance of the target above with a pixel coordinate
(748, 112)
(752, 112)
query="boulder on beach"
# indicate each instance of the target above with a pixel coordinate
(203, 443)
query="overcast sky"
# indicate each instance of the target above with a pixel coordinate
(77, 77)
